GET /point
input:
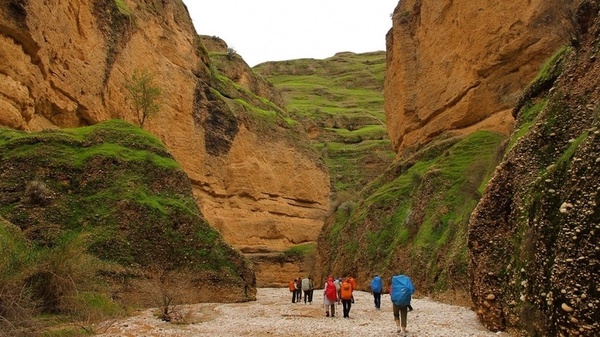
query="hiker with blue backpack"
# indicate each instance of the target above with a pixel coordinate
(401, 290)
(376, 289)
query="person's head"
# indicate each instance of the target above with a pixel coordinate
(330, 279)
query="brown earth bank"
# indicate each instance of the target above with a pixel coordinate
(253, 174)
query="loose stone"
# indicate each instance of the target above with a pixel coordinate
(566, 308)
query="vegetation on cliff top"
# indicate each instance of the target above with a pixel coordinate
(90, 208)
(339, 100)
(247, 98)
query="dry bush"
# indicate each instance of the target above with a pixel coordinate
(166, 294)
(17, 306)
(37, 193)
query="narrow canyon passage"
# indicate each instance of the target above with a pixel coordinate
(273, 314)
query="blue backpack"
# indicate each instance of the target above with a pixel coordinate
(401, 290)
(376, 285)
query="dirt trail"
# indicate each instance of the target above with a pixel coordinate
(273, 314)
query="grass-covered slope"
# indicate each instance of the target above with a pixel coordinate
(106, 201)
(413, 219)
(339, 100)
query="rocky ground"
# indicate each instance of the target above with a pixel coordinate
(273, 314)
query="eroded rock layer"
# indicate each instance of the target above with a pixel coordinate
(459, 66)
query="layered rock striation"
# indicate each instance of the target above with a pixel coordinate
(459, 66)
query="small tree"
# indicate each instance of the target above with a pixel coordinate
(145, 96)
(231, 53)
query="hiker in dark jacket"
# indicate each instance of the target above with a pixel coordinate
(376, 289)
(299, 290)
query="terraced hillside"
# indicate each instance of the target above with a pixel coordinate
(339, 100)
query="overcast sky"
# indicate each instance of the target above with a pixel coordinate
(274, 30)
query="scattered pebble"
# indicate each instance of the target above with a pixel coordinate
(273, 314)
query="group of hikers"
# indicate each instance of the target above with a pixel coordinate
(340, 290)
(302, 285)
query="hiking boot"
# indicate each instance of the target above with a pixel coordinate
(327, 314)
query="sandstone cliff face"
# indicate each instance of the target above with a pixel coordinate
(533, 238)
(459, 66)
(65, 65)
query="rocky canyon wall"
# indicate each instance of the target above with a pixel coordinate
(533, 237)
(459, 66)
(64, 65)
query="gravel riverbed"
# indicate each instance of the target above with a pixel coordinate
(273, 314)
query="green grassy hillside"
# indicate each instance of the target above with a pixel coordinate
(413, 218)
(339, 101)
(89, 212)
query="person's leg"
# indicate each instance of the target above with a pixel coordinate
(294, 296)
(347, 304)
(377, 300)
(396, 316)
(333, 310)
(349, 307)
(403, 311)
(310, 295)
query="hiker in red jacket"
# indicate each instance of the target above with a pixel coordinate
(330, 297)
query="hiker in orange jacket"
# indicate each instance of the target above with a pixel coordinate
(354, 286)
(292, 287)
(346, 295)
